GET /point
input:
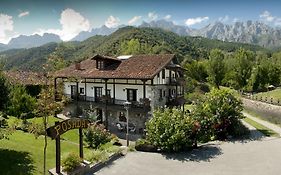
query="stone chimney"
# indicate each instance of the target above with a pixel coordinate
(78, 66)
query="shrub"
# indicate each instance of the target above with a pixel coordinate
(110, 148)
(98, 156)
(21, 103)
(96, 135)
(36, 128)
(144, 145)
(169, 130)
(219, 114)
(71, 162)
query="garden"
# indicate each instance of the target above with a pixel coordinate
(216, 117)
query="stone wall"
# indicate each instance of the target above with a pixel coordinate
(262, 108)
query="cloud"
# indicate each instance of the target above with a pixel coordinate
(134, 20)
(167, 17)
(267, 16)
(6, 27)
(224, 19)
(22, 14)
(112, 22)
(192, 21)
(152, 16)
(72, 23)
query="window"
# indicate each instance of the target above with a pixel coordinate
(82, 91)
(100, 64)
(164, 93)
(132, 94)
(158, 75)
(122, 117)
(163, 74)
(98, 92)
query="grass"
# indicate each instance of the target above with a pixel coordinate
(275, 94)
(266, 131)
(29, 151)
(23, 154)
(267, 117)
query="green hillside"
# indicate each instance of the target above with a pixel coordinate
(156, 40)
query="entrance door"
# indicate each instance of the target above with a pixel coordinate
(98, 93)
(73, 92)
(132, 94)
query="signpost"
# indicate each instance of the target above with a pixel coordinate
(61, 127)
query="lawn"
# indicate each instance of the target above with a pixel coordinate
(23, 154)
(275, 94)
(266, 131)
(265, 116)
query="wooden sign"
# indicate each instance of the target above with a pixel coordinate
(62, 127)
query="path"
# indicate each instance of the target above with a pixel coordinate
(267, 124)
(215, 158)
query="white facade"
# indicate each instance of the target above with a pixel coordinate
(157, 90)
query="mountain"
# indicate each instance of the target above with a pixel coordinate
(24, 41)
(157, 40)
(103, 30)
(167, 25)
(3, 47)
(244, 32)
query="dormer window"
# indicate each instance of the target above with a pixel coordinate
(100, 64)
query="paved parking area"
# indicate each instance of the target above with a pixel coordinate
(256, 157)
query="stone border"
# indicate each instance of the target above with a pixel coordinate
(87, 167)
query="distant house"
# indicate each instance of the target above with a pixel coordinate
(33, 81)
(104, 83)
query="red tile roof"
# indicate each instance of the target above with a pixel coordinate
(25, 77)
(135, 67)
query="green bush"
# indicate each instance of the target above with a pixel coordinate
(98, 156)
(145, 145)
(219, 114)
(36, 128)
(96, 135)
(170, 130)
(71, 162)
(21, 103)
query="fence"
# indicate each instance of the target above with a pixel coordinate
(264, 99)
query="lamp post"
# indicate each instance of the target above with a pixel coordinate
(127, 106)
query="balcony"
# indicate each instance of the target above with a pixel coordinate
(176, 81)
(142, 103)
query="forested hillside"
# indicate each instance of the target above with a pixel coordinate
(127, 40)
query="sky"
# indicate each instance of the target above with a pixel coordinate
(67, 18)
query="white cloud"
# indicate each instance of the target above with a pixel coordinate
(112, 21)
(22, 14)
(152, 16)
(167, 17)
(192, 21)
(6, 27)
(267, 16)
(224, 19)
(72, 23)
(134, 20)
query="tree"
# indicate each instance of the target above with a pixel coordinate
(216, 67)
(20, 102)
(243, 67)
(197, 71)
(4, 92)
